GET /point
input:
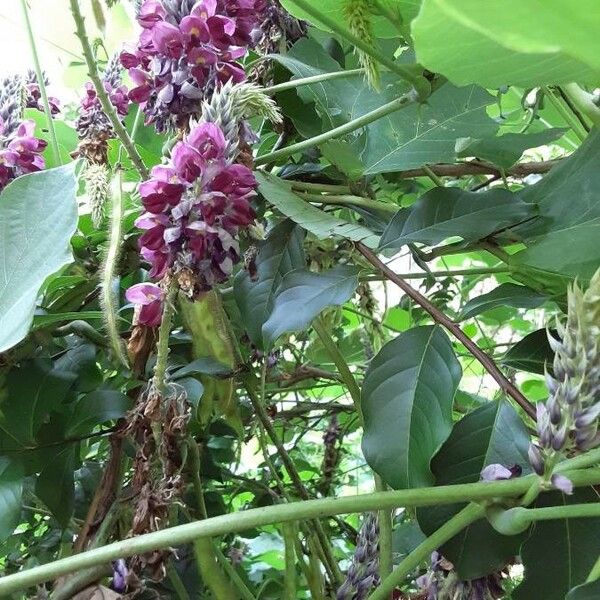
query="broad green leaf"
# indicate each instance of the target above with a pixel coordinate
(55, 485)
(408, 138)
(495, 43)
(202, 366)
(407, 399)
(334, 9)
(505, 150)
(442, 213)
(80, 360)
(532, 353)
(281, 252)
(279, 193)
(31, 392)
(585, 591)
(38, 215)
(506, 294)
(302, 295)
(40, 321)
(345, 157)
(427, 133)
(11, 491)
(565, 548)
(96, 408)
(563, 240)
(491, 434)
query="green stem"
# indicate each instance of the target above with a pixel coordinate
(107, 106)
(289, 538)
(317, 188)
(162, 350)
(210, 570)
(279, 513)
(340, 363)
(594, 573)
(435, 178)
(40, 77)
(349, 127)
(385, 534)
(294, 83)
(109, 300)
(136, 123)
(237, 581)
(583, 101)
(348, 200)
(468, 515)
(176, 582)
(195, 467)
(589, 459)
(565, 113)
(550, 513)
(419, 82)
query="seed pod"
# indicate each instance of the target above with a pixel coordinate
(97, 181)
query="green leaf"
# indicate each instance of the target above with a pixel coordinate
(281, 253)
(563, 240)
(566, 548)
(496, 43)
(202, 366)
(491, 434)
(32, 391)
(11, 491)
(505, 150)
(38, 215)
(426, 133)
(279, 193)
(40, 321)
(585, 591)
(531, 354)
(96, 408)
(407, 399)
(506, 294)
(55, 485)
(334, 9)
(406, 139)
(345, 157)
(302, 295)
(442, 213)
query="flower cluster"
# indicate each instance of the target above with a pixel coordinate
(568, 421)
(195, 207)
(93, 125)
(441, 582)
(33, 96)
(20, 150)
(363, 574)
(184, 51)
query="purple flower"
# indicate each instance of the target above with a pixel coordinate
(562, 483)
(183, 53)
(120, 574)
(148, 299)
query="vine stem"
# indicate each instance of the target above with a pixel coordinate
(289, 538)
(294, 83)
(317, 188)
(469, 514)
(280, 513)
(565, 113)
(594, 573)
(349, 200)
(41, 82)
(439, 317)
(336, 132)
(584, 102)
(419, 82)
(109, 299)
(162, 349)
(523, 517)
(107, 106)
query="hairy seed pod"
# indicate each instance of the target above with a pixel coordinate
(97, 181)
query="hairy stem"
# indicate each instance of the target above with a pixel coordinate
(243, 592)
(41, 82)
(107, 106)
(439, 317)
(294, 83)
(162, 350)
(469, 514)
(565, 113)
(384, 518)
(280, 513)
(108, 298)
(349, 127)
